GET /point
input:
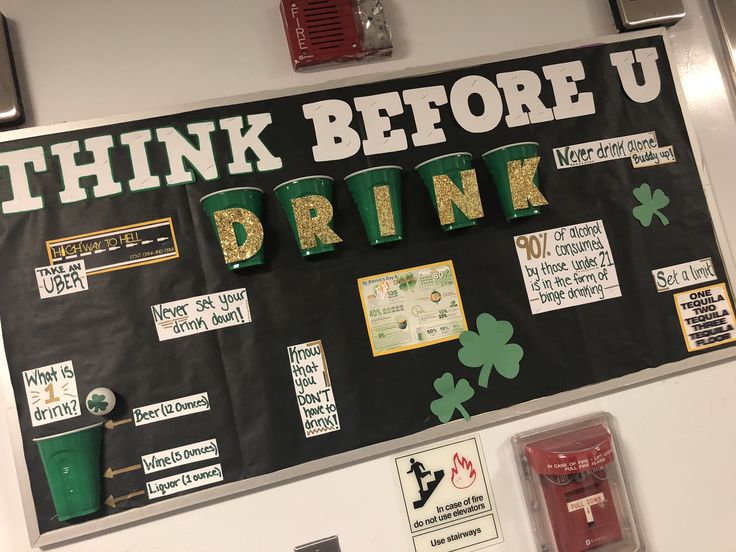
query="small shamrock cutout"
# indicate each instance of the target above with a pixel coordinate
(452, 397)
(651, 203)
(490, 348)
(97, 403)
(407, 281)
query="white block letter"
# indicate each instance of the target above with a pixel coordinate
(178, 148)
(492, 104)
(624, 64)
(335, 138)
(16, 162)
(379, 136)
(241, 142)
(424, 103)
(99, 168)
(522, 88)
(563, 77)
(142, 177)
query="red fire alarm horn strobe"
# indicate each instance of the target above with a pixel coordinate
(331, 31)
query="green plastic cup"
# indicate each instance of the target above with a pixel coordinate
(301, 187)
(497, 161)
(72, 464)
(244, 198)
(363, 187)
(452, 165)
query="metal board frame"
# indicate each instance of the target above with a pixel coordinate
(477, 422)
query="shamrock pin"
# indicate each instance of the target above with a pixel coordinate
(452, 397)
(97, 403)
(651, 203)
(490, 348)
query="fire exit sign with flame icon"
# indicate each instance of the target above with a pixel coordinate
(448, 498)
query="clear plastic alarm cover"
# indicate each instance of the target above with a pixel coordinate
(575, 488)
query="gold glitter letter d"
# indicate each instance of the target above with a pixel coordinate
(521, 182)
(224, 220)
(467, 201)
(311, 226)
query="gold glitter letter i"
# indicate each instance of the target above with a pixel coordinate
(384, 210)
(521, 182)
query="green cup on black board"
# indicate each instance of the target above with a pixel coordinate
(72, 464)
(250, 199)
(497, 160)
(377, 194)
(451, 165)
(300, 188)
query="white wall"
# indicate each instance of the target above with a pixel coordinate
(89, 58)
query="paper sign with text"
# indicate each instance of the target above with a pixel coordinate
(448, 498)
(52, 393)
(653, 157)
(313, 388)
(567, 266)
(180, 456)
(184, 481)
(118, 248)
(610, 149)
(684, 275)
(706, 317)
(201, 314)
(166, 410)
(61, 279)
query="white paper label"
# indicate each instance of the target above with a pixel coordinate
(585, 504)
(684, 275)
(52, 393)
(567, 266)
(652, 157)
(171, 409)
(171, 485)
(706, 317)
(599, 151)
(201, 314)
(61, 279)
(448, 498)
(313, 388)
(180, 456)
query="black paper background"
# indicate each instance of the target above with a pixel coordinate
(108, 331)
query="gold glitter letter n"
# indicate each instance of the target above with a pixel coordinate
(467, 201)
(521, 182)
(312, 226)
(224, 220)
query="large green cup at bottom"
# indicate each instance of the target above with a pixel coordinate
(452, 165)
(497, 161)
(244, 198)
(72, 464)
(300, 187)
(362, 186)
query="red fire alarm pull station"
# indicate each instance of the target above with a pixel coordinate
(334, 31)
(575, 487)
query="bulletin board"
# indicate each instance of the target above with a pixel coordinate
(231, 379)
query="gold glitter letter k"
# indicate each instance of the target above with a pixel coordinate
(521, 183)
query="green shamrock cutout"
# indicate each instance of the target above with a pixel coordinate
(651, 203)
(97, 403)
(407, 281)
(490, 348)
(452, 397)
